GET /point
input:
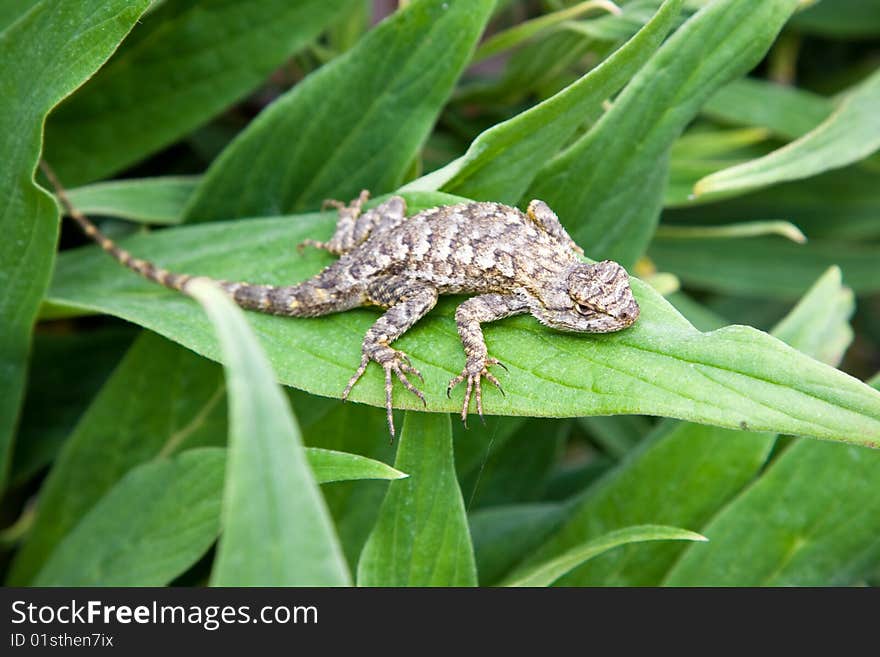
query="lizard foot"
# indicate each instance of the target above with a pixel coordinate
(394, 363)
(473, 373)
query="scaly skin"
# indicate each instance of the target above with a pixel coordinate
(514, 262)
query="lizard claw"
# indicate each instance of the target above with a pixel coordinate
(395, 363)
(473, 374)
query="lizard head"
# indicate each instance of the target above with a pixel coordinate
(592, 298)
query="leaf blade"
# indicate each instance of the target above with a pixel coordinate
(276, 529)
(178, 503)
(851, 133)
(660, 366)
(546, 573)
(422, 536)
(501, 163)
(613, 209)
(340, 146)
(188, 61)
(56, 59)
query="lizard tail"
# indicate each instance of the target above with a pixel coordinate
(293, 300)
(145, 268)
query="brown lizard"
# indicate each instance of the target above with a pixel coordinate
(515, 262)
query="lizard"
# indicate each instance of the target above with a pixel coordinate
(514, 262)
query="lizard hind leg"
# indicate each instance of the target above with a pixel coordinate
(355, 226)
(407, 302)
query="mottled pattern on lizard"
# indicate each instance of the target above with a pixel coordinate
(516, 262)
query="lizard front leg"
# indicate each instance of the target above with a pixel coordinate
(468, 317)
(407, 303)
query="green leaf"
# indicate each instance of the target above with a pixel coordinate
(530, 29)
(352, 428)
(812, 519)
(608, 192)
(151, 200)
(421, 537)
(52, 405)
(683, 473)
(162, 398)
(177, 520)
(12, 10)
(786, 111)
(517, 467)
(546, 573)
(766, 266)
(180, 520)
(188, 61)
(734, 231)
(276, 529)
(616, 434)
(329, 465)
(819, 324)
(55, 47)
(342, 130)
(850, 195)
(840, 19)
(503, 535)
(851, 133)
(661, 366)
(501, 163)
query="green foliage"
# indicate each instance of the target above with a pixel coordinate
(43, 61)
(731, 377)
(660, 134)
(276, 528)
(191, 60)
(421, 537)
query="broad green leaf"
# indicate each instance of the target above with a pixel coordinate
(188, 61)
(52, 404)
(531, 68)
(840, 204)
(501, 163)
(276, 529)
(514, 36)
(329, 465)
(840, 19)
(812, 519)
(48, 52)
(733, 377)
(517, 470)
(851, 133)
(608, 187)
(162, 398)
(616, 434)
(546, 573)
(786, 111)
(819, 324)
(151, 200)
(12, 10)
(766, 266)
(698, 314)
(503, 535)
(177, 518)
(342, 129)
(477, 442)
(352, 428)
(421, 537)
(683, 473)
